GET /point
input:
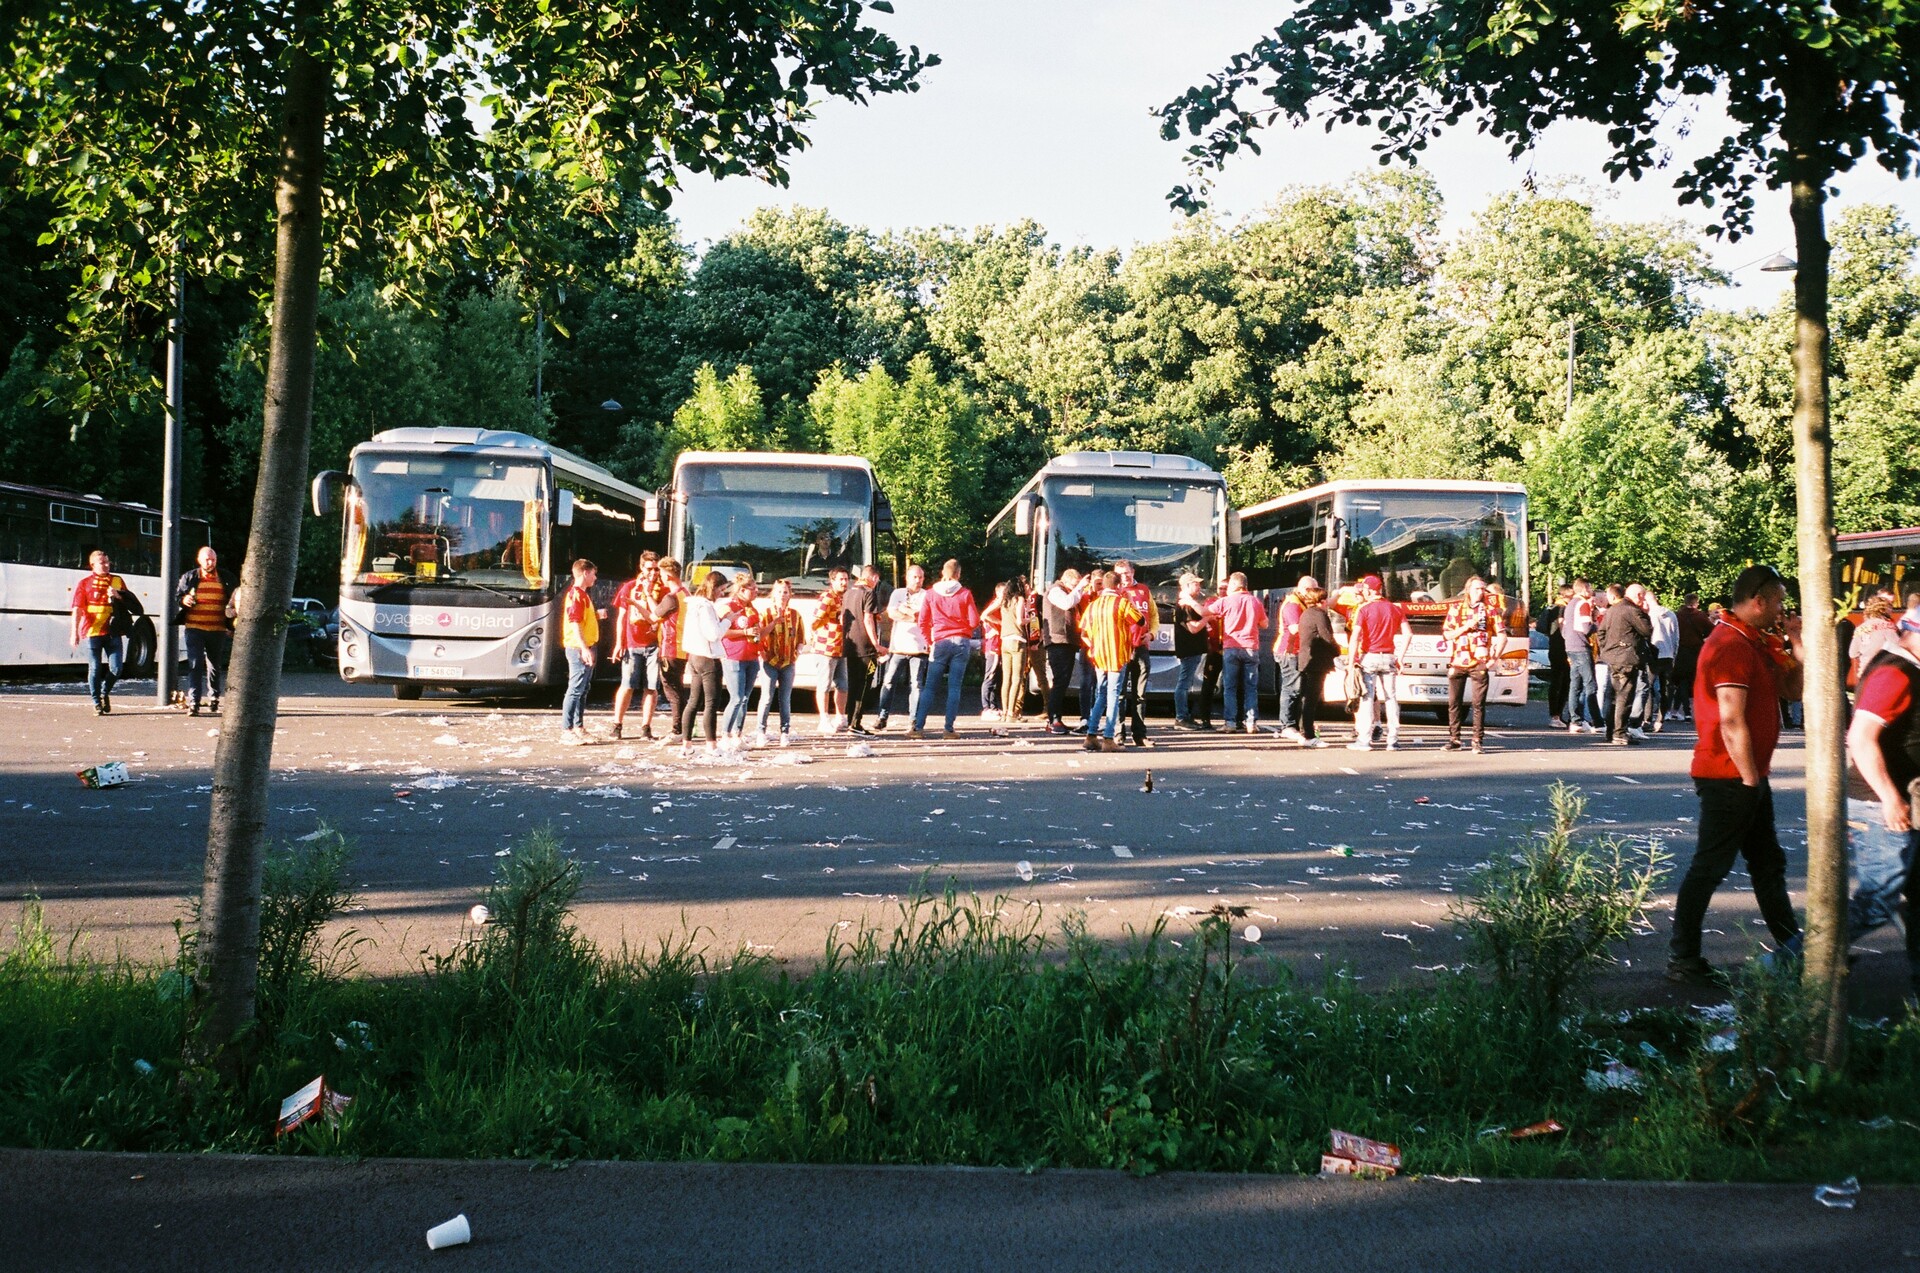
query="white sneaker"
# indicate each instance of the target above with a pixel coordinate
(1315, 741)
(572, 738)
(1638, 735)
(839, 725)
(786, 740)
(761, 740)
(1393, 744)
(1358, 745)
(827, 724)
(1293, 735)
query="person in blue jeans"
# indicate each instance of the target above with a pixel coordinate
(93, 600)
(949, 619)
(1583, 685)
(1189, 646)
(1883, 763)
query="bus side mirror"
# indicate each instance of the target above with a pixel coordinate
(1234, 535)
(1543, 547)
(650, 508)
(324, 485)
(1023, 518)
(563, 509)
(883, 515)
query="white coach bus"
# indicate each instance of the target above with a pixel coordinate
(1167, 514)
(46, 536)
(455, 550)
(1424, 539)
(776, 515)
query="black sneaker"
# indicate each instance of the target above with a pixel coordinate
(1694, 971)
(194, 710)
(106, 707)
(1452, 744)
(616, 729)
(99, 708)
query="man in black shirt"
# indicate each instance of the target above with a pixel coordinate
(1549, 625)
(860, 606)
(1626, 638)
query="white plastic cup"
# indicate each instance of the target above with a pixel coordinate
(479, 915)
(455, 1232)
(1024, 870)
(1253, 933)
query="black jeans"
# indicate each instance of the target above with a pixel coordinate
(673, 688)
(1558, 679)
(1313, 680)
(1736, 821)
(1210, 687)
(1133, 694)
(1458, 680)
(1626, 683)
(703, 697)
(860, 669)
(1059, 679)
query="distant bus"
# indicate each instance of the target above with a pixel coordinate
(455, 551)
(1875, 559)
(1424, 539)
(1086, 510)
(46, 536)
(776, 515)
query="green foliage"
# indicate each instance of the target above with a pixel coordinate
(724, 415)
(923, 440)
(532, 891)
(303, 889)
(1545, 917)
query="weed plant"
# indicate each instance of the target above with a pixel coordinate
(961, 1033)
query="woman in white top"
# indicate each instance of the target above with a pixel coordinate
(702, 640)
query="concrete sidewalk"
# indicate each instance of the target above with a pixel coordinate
(157, 1212)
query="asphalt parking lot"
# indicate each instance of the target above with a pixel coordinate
(1336, 857)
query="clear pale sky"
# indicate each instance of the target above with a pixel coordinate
(1039, 109)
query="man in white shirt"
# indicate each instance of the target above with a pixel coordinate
(906, 644)
(1576, 626)
(1666, 648)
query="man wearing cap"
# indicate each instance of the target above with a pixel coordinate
(1883, 763)
(1380, 637)
(1286, 667)
(1747, 666)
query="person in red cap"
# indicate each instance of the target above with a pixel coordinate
(1380, 636)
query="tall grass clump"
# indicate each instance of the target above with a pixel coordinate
(1544, 918)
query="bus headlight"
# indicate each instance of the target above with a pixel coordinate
(529, 646)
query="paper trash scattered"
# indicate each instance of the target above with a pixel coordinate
(1341, 850)
(454, 1232)
(1252, 933)
(859, 751)
(315, 1100)
(1616, 1077)
(1024, 870)
(1546, 1127)
(1122, 851)
(479, 915)
(1725, 1041)
(1351, 1155)
(142, 1067)
(111, 774)
(1841, 1196)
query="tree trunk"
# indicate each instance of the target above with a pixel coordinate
(227, 959)
(1825, 968)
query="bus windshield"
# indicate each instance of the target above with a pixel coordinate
(446, 518)
(1164, 527)
(1425, 545)
(774, 521)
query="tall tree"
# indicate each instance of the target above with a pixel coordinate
(401, 126)
(1810, 88)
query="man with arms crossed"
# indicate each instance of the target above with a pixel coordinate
(1745, 670)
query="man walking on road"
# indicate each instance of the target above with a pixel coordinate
(1472, 627)
(1583, 691)
(1134, 692)
(1242, 616)
(93, 600)
(1883, 766)
(1380, 637)
(906, 644)
(1107, 626)
(948, 620)
(204, 599)
(636, 644)
(1745, 671)
(579, 635)
(1625, 637)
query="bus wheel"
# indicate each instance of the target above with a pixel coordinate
(407, 693)
(142, 650)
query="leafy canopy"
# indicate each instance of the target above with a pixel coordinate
(1412, 68)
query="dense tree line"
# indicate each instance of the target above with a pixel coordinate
(1335, 334)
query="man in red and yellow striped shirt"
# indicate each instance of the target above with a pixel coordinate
(205, 601)
(1109, 625)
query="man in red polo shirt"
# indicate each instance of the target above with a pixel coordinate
(1746, 669)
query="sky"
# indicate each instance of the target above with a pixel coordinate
(1039, 110)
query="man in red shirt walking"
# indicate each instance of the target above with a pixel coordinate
(1133, 694)
(1745, 671)
(1380, 636)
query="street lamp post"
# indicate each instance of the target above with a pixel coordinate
(166, 654)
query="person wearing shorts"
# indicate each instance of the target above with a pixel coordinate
(1380, 637)
(636, 644)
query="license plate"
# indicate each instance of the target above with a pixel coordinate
(1416, 689)
(434, 669)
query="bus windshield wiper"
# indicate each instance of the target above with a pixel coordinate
(474, 583)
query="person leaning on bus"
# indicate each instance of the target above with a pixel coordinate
(93, 600)
(204, 598)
